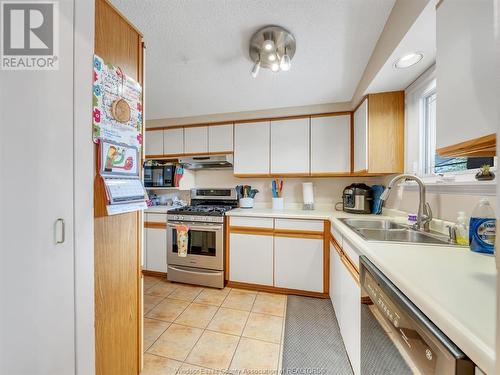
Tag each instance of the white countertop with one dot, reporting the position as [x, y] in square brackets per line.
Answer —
[159, 209]
[454, 287]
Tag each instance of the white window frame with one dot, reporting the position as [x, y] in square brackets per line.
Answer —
[452, 182]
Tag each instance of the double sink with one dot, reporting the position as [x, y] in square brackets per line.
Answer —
[386, 230]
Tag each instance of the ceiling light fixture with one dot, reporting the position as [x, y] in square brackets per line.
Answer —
[268, 45]
[285, 62]
[408, 60]
[276, 46]
[255, 69]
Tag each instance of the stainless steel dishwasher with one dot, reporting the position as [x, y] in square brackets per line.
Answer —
[397, 338]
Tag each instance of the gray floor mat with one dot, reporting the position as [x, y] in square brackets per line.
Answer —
[312, 342]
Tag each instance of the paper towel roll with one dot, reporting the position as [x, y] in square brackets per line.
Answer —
[308, 192]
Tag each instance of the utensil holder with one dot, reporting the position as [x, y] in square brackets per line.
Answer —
[278, 203]
[246, 202]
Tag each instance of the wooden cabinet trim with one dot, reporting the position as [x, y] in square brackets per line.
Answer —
[154, 273]
[299, 234]
[244, 121]
[252, 230]
[155, 225]
[275, 289]
[350, 267]
[348, 263]
[482, 146]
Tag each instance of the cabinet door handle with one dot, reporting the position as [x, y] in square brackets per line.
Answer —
[63, 231]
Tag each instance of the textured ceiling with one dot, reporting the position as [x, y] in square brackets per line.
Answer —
[197, 52]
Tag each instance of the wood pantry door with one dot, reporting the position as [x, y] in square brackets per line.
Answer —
[117, 239]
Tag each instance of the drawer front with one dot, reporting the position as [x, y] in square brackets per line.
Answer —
[300, 225]
[251, 222]
[349, 251]
[155, 218]
[337, 235]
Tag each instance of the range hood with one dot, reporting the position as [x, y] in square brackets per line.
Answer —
[207, 162]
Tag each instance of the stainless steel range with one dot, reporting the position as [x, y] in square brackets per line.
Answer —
[204, 262]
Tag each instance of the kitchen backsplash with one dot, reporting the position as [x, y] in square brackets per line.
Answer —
[326, 190]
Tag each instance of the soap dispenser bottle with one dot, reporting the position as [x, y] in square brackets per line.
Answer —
[461, 229]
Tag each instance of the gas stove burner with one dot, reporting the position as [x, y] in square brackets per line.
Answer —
[206, 210]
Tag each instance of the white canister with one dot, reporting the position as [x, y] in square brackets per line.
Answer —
[308, 195]
[246, 202]
[278, 203]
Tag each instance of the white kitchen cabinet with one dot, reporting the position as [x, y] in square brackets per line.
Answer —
[345, 294]
[156, 249]
[220, 138]
[196, 140]
[173, 141]
[252, 222]
[251, 259]
[153, 144]
[350, 317]
[465, 71]
[298, 263]
[299, 224]
[331, 144]
[251, 148]
[361, 137]
[290, 146]
[335, 281]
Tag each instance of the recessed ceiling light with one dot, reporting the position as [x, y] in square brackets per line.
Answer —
[409, 60]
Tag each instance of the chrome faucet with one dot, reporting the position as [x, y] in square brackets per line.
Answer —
[424, 215]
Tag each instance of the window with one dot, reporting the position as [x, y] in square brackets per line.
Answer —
[432, 163]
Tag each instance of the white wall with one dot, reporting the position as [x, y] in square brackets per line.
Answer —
[327, 191]
[444, 205]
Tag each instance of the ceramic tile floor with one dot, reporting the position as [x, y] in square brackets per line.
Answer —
[191, 330]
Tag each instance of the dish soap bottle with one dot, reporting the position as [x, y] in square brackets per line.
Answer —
[482, 228]
[461, 229]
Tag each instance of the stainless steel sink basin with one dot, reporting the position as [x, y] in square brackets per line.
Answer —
[386, 230]
[401, 235]
[372, 224]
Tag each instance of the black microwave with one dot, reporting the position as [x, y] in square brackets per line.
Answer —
[159, 176]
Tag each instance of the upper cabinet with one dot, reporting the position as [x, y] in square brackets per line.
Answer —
[330, 145]
[251, 148]
[173, 141]
[379, 134]
[220, 138]
[189, 140]
[290, 146]
[153, 144]
[361, 137]
[465, 76]
[196, 140]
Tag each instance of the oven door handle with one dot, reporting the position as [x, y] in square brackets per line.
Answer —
[194, 272]
[205, 228]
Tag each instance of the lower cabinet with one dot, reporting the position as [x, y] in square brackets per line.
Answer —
[251, 258]
[345, 294]
[298, 263]
[282, 253]
[335, 288]
[155, 243]
[350, 317]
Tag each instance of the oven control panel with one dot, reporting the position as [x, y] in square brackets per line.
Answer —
[196, 218]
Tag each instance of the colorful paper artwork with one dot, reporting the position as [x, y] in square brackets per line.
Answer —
[109, 85]
[117, 159]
